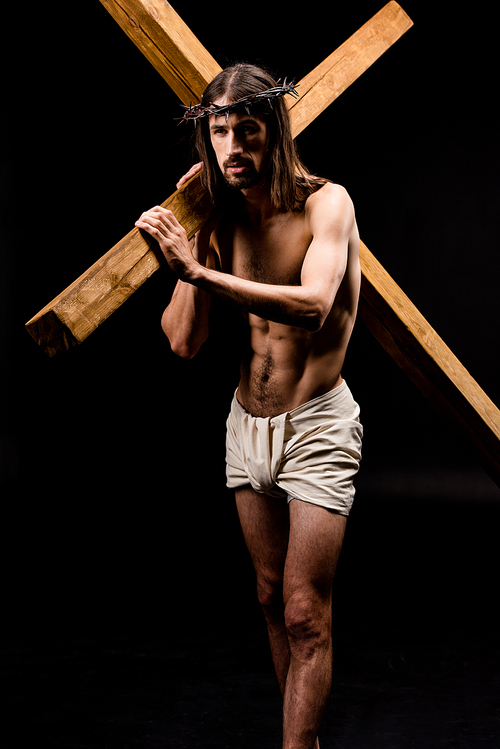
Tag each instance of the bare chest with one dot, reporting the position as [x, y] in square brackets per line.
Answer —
[272, 253]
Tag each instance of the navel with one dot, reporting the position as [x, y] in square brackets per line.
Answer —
[265, 389]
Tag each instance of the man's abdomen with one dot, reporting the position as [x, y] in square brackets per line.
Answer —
[284, 369]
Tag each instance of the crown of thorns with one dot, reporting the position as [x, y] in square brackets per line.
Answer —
[197, 111]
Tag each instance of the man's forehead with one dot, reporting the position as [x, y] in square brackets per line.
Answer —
[233, 119]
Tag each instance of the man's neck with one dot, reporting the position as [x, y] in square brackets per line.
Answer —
[257, 203]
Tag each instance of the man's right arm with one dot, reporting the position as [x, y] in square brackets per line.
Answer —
[185, 320]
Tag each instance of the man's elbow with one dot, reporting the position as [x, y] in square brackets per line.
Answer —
[185, 348]
[313, 324]
[183, 343]
[183, 351]
[315, 317]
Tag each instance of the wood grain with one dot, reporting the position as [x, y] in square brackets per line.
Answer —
[75, 313]
[168, 43]
[330, 78]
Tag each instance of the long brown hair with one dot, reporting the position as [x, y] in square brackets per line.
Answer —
[290, 183]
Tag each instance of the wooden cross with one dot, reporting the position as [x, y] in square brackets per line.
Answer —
[186, 65]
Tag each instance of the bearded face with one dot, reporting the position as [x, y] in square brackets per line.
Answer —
[240, 144]
[240, 173]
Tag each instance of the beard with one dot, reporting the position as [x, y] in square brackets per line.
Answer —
[249, 178]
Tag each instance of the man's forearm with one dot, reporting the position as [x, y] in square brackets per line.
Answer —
[289, 305]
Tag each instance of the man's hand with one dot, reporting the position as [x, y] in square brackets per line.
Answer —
[162, 225]
[194, 169]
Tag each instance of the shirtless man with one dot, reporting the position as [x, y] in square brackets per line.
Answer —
[284, 249]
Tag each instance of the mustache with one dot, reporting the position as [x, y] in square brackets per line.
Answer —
[237, 162]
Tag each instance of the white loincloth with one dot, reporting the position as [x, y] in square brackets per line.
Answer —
[311, 453]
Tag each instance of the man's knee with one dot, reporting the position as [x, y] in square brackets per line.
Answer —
[308, 621]
[270, 594]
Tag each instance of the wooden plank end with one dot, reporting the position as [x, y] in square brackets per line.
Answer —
[50, 333]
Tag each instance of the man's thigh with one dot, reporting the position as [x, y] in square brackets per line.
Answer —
[315, 541]
[265, 525]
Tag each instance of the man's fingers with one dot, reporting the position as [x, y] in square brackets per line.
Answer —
[159, 222]
[158, 215]
[194, 169]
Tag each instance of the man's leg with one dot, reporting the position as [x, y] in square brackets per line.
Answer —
[265, 526]
[295, 556]
[315, 540]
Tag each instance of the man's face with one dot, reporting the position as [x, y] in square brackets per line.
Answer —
[240, 146]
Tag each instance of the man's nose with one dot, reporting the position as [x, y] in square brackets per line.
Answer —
[234, 145]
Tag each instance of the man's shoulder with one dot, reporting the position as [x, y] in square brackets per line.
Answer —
[331, 193]
[331, 200]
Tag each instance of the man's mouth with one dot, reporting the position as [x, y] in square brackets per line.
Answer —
[240, 173]
[237, 167]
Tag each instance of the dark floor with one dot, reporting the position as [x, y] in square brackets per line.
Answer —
[206, 690]
[417, 654]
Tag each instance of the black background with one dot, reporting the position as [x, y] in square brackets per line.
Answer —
[114, 508]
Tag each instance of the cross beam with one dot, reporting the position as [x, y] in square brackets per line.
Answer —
[184, 63]
[416, 347]
[160, 33]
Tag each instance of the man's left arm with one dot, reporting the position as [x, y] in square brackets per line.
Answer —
[331, 217]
